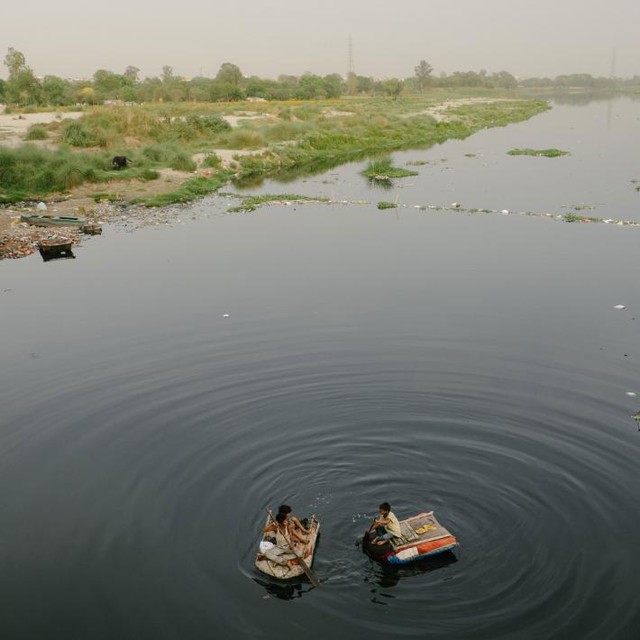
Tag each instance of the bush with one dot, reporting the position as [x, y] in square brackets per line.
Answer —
[212, 161]
[76, 134]
[148, 175]
[37, 132]
[244, 139]
[182, 162]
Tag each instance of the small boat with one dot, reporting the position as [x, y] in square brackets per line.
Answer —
[285, 565]
[52, 221]
[422, 537]
[52, 248]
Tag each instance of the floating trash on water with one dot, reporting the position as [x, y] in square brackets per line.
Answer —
[455, 205]
[505, 212]
[631, 394]
[225, 315]
[636, 417]
[619, 306]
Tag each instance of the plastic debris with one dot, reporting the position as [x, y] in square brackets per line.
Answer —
[41, 206]
[619, 306]
[225, 315]
[631, 394]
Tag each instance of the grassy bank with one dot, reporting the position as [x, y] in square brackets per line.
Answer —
[284, 138]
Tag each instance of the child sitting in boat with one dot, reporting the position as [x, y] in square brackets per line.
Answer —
[294, 524]
[285, 529]
[386, 527]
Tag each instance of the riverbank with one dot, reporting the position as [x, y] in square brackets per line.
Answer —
[209, 146]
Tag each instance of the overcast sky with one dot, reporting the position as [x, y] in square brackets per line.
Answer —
[74, 38]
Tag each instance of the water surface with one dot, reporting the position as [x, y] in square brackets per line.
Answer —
[164, 387]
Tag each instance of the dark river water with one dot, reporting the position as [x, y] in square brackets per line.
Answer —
[160, 390]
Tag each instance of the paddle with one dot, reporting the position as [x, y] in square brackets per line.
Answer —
[303, 564]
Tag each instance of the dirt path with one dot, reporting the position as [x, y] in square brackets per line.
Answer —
[13, 128]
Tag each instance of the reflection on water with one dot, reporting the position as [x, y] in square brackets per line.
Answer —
[285, 591]
[388, 576]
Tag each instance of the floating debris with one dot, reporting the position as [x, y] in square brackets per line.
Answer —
[631, 394]
[619, 306]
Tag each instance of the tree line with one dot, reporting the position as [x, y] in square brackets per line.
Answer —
[23, 88]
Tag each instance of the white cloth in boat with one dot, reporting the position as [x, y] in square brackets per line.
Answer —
[281, 553]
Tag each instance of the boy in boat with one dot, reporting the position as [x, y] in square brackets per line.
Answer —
[386, 527]
[297, 527]
[286, 549]
[285, 526]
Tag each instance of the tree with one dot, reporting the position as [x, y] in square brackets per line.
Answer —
[15, 62]
[333, 85]
[131, 73]
[22, 86]
[56, 91]
[423, 71]
[393, 88]
[230, 74]
[167, 73]
[108, 83]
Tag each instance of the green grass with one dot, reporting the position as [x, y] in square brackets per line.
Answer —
[547, 153]
[189, 191]
[383, 169]
[295, 138]
[387, 205]
[36, 132]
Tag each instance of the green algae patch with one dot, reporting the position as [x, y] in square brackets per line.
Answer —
[251, 203]
[546, 153]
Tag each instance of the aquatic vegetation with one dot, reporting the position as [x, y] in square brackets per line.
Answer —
[573, 217]
[387, 205]
[547, 153]
[251, 203]
[383, 169]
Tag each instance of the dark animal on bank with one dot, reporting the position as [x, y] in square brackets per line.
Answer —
[119, 162]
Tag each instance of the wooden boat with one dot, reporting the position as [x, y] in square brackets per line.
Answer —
[422, 537]
[283, 564]
[52, 248]
[52, 221]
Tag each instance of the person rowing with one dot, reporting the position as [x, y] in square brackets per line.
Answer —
[386, 526]
[296, 529]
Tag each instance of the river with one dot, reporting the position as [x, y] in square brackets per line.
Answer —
[161, 389]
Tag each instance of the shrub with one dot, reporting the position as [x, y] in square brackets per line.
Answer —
[212, 161]
[148, 174]
[36, 132]
[76, 134]
[244, 139]
[182, 162]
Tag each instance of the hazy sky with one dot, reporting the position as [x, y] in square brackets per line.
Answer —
[74, 38]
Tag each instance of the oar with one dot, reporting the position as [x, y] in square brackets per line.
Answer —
[303, 564]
